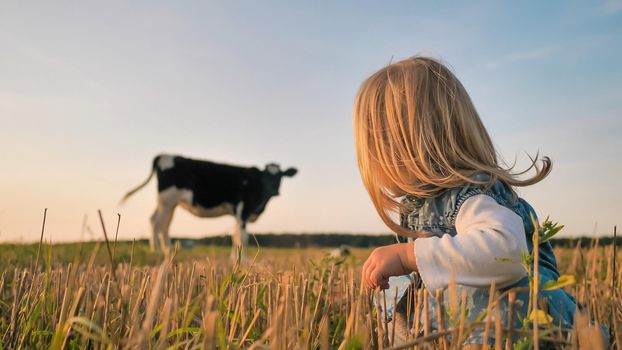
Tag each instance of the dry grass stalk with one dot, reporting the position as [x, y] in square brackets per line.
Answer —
[491, 294]
[201, 303]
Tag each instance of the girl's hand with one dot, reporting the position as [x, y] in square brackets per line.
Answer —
[384, 262]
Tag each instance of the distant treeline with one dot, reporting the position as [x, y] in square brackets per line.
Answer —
[357, 240]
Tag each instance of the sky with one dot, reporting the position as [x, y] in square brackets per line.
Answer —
[91, 92]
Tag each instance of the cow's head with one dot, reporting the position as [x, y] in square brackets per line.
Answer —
[271, 178]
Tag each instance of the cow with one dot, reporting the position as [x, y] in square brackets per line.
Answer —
[207, 189]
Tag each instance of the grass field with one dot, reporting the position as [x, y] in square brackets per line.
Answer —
[84, 296]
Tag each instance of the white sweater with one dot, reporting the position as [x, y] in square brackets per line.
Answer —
[485, 231]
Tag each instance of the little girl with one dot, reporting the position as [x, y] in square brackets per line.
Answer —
[427, 161]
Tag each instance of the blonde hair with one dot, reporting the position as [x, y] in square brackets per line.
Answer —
[417, 132]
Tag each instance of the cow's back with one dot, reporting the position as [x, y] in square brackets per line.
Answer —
[211, 183]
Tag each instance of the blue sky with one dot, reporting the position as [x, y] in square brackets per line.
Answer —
[89, 93]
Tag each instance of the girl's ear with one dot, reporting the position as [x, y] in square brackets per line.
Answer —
[290, 172]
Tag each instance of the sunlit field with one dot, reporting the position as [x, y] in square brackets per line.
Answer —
[84, 296]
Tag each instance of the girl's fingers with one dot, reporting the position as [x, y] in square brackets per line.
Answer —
[365, 267]
[365, 271]
[366, 276]
[376, 277]
[372, 284]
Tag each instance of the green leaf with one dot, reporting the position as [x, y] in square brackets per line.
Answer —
[562, 281]
[155, 330]
[548, 229]
[522, 344]
[178, 331]
[543, 317]
[552, 232]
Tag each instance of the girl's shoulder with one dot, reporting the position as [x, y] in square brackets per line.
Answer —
[438, 213]
[498, 190]
[501, 192]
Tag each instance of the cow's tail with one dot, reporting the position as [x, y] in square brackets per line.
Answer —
[130, 193]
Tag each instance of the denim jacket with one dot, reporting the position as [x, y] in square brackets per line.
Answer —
[437, 216]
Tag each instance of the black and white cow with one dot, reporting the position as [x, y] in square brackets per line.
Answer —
[208, 189]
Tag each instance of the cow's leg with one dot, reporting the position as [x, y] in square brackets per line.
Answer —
[161, 220]
[240, 236]
[167, 217]
[244, 233]
[160, 223]
[154, 241]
